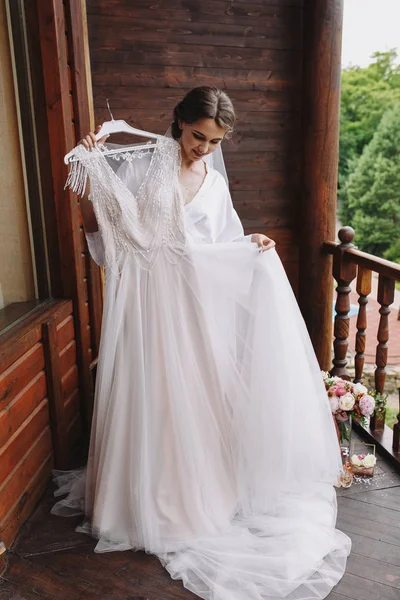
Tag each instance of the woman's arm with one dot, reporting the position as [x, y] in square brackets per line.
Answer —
[88, 216]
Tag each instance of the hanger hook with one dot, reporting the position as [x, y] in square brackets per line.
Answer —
[109, 110]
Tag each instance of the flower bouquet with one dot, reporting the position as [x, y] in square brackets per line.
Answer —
[348, 400]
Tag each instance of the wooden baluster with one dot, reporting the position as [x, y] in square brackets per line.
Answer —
[396, 431]
[364, 282]
[344, 272]
[386, 288]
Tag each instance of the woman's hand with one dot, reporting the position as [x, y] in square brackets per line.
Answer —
[89, 141]
[262, 241]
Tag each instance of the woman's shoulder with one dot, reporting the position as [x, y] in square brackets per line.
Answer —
[218, 178]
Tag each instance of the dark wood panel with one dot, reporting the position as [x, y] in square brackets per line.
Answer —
[206, 11]
[190, 77]
[156, 53]
[265, 180]
[102, 31]
[159, 98]
[246, 120]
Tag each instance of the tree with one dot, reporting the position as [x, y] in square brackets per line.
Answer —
[367, 93]
[372, 190]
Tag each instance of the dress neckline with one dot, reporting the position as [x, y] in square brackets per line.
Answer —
[201, 188]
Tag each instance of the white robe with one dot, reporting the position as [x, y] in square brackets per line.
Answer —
[212, 441]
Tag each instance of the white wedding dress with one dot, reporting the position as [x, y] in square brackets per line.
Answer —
[212, 442]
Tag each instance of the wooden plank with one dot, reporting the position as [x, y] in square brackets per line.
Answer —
[371, 546]
[160, 98]
[102, 28]
[13, 489]
[270, 180]
[246, 120]
[46, 583]
[71, 406]
[20, 373]
[374, 570]
[387, 498]
[361, 588]
[184, 77]
[16, 591]
[54, 391]
[157, 53]
[24, 438]
[371, 513]
[74, 430]
[214, 11]
[21, 338]
[139, 575]
[70, 382]
[67, 358]
[22, 510]
[13, 415]
[65, 333]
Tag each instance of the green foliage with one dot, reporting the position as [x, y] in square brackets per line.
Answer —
[367, 93]
[372, 190]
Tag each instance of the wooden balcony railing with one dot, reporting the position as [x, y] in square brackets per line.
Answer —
[349, 264]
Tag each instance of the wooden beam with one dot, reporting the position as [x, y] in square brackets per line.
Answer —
[322, 39]
[54, 47]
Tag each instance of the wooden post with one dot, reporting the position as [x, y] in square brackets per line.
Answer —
[385, 298]
[364, 284]
[344, 272]
[320, 148]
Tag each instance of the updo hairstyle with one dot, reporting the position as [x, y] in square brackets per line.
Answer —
[202, 103]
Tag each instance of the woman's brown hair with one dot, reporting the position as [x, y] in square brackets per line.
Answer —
[202, 103]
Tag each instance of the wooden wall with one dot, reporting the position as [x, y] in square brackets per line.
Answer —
[39, 409]
[146, 55]
[47, 358]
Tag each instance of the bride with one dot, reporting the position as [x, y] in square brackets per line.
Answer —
[212, 442]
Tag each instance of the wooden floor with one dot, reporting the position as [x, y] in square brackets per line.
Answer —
[50, 560]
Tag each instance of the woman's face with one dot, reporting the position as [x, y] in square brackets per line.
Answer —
[200, 138]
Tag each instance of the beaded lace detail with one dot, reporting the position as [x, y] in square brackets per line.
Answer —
[145, 223]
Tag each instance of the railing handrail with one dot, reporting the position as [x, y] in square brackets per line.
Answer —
[382, 266]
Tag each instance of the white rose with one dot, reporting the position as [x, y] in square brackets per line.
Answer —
[359, 388]
[356, 461]
[369, 461]
[346, 402]
[334, 403]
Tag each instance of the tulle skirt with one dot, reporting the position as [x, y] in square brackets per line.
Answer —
[212, 442]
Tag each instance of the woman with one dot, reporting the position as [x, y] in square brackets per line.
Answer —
[212, 443]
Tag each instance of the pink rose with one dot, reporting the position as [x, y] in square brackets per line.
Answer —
[367, 405]
[339, 389]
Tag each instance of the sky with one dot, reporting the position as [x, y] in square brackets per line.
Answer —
[369, 26]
